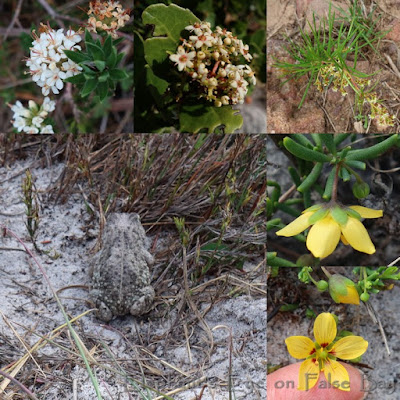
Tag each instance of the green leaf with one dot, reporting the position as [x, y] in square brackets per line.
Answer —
[89, 86]
[120, 56]
[100, 65]
[194, 118]
[102, 90]
[112, 58]
[88, 37]
[302, 152]
[116, 42]
[339, 215]
[169, 22]
[107, 48]
[373, 151]
[95, 51]
[153, 81]
[76, 79]
[104, 76]
[76, 56]
[118, 74]
[311, 178]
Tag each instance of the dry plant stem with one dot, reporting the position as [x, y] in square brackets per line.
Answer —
[19, 384]
[70, 327]
[326, 272]
[50, 10]
[15, 17]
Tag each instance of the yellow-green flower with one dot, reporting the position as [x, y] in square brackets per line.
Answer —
[343, 290]
[321, 355]
[331, 223]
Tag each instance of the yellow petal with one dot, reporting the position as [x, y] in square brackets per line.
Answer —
[300, 346]
[349, 347]
[344, 241]
[337, 375]
[308, 374]
[324, 329]
[323, 237]
[367, 212]
[297, 226]
[357, 236]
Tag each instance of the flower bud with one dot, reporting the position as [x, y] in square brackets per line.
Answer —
[217, 103]
[322, 285]
[201, 55]
[364, 297]
[360, 190]
[227, 41]
[343, 290]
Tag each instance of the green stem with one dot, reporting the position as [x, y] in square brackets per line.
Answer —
[335, 184]
[326, 272]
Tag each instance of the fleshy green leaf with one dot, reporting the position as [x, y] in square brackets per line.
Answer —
[95, 51]
[76, 56]
[194, 118]
[118, 74]
[117, 41]
[89, 86]
[104, 76]
[107, 48]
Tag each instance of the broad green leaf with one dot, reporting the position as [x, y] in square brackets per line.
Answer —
[102, 90]
[152, 80]
[194, 118]
[95, 51]
[76, 79]
[118, 74]
[100, 65]
[89, 86]
[169, 22]
[76, 56]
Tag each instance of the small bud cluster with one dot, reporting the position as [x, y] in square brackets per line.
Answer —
[330, 75]
[211, 58]
[106, 16]
[31, 119]
[48, 64]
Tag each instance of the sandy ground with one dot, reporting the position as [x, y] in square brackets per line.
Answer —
[383, 371]
[67, 234]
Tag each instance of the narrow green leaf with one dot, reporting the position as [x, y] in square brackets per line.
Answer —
[356, 164]
[318, 215]
[89, 86]
[311, 178]
[329, 142]
[76, 56]
[302, 152]
[88, 37]
[102, 90]
[120, 56]
[329, 185]
[373, 151]
[96, 52]
[112, 58]
[116, 42]
[107, 48]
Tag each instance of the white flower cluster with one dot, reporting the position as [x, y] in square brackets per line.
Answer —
[213, 60]
[31, 119]
[48, 63]
[108, 16]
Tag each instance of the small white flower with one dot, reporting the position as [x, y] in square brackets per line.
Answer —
[37, 121]
[31, 129]
[182, 59]
[19, 123]
[47, 129]
[203, 39]
[48, 105]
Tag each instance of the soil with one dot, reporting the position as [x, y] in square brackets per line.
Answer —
[381, 370]
[327, 112]
[164, 348]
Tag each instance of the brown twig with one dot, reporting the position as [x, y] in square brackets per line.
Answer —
[19, 384]
[15, 17]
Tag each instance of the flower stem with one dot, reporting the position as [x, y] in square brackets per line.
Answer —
[335, 184]
[326, 272]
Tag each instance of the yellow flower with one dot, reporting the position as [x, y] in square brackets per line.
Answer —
[343, 290]
[331, 224]
[321, 355]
